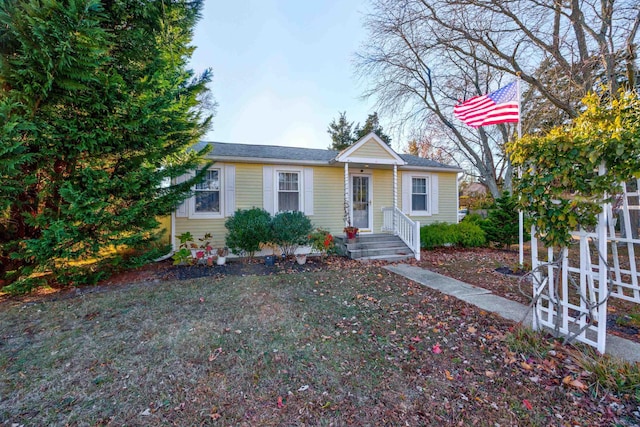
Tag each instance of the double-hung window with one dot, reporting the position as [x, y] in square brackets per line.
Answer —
[288, 198]
[207, 194]
[419, 194]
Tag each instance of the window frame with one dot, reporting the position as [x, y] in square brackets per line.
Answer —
[192, 200]
[276, 190]
[427, 195]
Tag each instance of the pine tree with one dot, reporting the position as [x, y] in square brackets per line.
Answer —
[501, 225]
[341, 133]
[97, 108]
[372, 124]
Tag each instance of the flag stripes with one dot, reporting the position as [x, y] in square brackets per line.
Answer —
[501, 106]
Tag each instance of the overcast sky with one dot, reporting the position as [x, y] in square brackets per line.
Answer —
[282, 68]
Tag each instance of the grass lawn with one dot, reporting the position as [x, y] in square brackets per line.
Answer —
[356, 346]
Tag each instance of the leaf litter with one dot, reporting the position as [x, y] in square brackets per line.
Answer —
[349, 344]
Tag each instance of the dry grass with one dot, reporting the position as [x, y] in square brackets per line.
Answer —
[341, 347]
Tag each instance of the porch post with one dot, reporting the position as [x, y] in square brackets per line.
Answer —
[395, 198]
[347, 216]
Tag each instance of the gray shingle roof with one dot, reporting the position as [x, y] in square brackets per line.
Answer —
[422, 162]
[255, 151]
[224, 149]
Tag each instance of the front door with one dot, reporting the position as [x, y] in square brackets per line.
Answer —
[361, 202]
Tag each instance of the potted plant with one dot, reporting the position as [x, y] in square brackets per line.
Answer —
[301, 259]
[222, 255]
[351, 233]
[270, 260]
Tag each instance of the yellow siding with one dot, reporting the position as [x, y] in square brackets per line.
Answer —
[447, 199]
[165, 228]
[382, 195]
[371, 150]
[248, 195]
[248, 186]
[328, 192]
[328, 199]
[200, 227]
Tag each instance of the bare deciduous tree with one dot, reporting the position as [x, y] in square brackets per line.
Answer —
[424, 56]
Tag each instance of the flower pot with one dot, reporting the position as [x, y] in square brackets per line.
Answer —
[209, 262]
[351, 235]
[301, 259]
[270, 260]
[221, 260]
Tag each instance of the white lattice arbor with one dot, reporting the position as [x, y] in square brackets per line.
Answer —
[572, 289]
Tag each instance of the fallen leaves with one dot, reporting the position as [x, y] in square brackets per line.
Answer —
[575, 383]
[436, 349]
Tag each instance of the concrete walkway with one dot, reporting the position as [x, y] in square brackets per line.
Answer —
[484, 299]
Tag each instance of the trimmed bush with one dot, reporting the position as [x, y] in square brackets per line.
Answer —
[290, 230]
[247, 229]
[465, 234]
[470, 235]
[437, 234]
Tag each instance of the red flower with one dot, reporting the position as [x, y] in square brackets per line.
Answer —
[200, 254]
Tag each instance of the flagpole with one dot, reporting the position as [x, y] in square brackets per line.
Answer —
[520, 213]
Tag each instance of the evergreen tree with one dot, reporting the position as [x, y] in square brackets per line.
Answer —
[341, 133]
[97, 109]
[372, 124]
[501, 225]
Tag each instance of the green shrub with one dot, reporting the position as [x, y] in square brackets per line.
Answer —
[290, 230]
[501, 225]
[437, 234]
[465, 234]
[470, 235]
[473, 218]
[246, 229]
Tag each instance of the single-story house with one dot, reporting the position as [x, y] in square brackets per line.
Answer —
[368, 185]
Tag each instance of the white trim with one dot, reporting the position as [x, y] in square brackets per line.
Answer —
[410, 168]
[192, 214]
[301, 186]
[308, 191]
[269, 161]
[182, 210]
[344, 156]
[370, 160]
[407, 193]
[369, 201]
[229, 190]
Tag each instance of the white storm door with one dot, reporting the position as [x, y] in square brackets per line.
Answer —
[361, 196]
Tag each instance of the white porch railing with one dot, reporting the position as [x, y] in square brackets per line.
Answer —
[404, 227]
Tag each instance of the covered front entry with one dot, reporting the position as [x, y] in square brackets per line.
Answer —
[361, 203]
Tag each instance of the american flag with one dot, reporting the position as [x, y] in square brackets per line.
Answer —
[497, 107]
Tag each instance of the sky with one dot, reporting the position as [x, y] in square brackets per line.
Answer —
[283, 69]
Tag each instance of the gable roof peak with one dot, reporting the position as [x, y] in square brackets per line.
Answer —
[345, 155]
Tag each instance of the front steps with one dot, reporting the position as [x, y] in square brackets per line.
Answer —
[386, 247]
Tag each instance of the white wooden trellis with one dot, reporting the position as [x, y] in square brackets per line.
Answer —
[572, 299]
